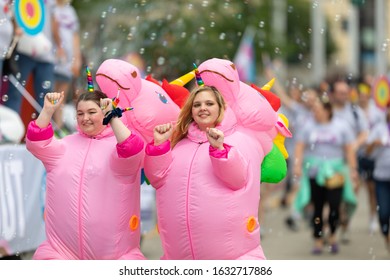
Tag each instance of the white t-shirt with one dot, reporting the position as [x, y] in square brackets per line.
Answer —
[354, 116]
[381, 155]
[374, 116]
[297, 116]
[325, 141]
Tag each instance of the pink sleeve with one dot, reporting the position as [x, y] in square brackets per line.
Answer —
[158, 160]
[159, 150]
[35, 133]
[233, 170]
[131, 146]
[217, 153]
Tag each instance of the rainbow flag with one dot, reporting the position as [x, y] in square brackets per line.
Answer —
[245, 57]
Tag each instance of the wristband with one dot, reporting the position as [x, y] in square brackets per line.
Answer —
[115, 113]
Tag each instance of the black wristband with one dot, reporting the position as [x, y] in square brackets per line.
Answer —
[116, 113]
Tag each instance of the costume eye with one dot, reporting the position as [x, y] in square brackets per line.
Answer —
[134, 74]
[162, 97]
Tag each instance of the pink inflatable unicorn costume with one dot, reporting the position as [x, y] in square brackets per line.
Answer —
[251, 108]
[152, 105]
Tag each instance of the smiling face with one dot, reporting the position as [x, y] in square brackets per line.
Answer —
[90, 117]
[205, 109]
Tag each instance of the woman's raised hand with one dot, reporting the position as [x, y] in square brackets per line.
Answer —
[215, 137]
[106, 105]
[53, 100]
[162, 133]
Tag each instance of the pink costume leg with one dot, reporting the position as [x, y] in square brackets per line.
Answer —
[255, 254]
[134, 254]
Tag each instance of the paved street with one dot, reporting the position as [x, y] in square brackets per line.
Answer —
[280, 243]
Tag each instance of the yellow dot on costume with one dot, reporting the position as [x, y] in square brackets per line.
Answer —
[134, 222]
[251, 224]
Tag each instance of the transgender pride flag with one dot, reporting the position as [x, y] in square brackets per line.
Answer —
[245, 57]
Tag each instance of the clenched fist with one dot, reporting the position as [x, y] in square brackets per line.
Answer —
[162, 133]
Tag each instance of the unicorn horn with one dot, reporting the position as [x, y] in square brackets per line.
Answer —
[183, 80]
[269, 85]
[89, 79]
[199, 80]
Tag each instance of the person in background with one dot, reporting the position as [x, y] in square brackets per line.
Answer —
[324, 154]
[68, 67]
[207, 180]
[379, 148]
[366, 163]
[92, 206]
[296, 106]
[345, 110]
[9, 32]
[40, 64]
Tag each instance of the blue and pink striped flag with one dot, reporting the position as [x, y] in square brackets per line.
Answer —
[245, 57]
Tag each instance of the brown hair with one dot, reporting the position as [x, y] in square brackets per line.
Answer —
[185, 116]
[94, 96]
[326, 104]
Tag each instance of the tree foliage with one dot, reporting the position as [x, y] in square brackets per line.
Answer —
[171, 35]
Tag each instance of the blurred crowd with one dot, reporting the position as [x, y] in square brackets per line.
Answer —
[340, 144]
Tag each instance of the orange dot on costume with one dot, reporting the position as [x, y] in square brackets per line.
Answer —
[134, 222]
[251, 224]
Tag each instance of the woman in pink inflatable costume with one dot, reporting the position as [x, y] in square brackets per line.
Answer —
[93, 191]
[207, 182]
